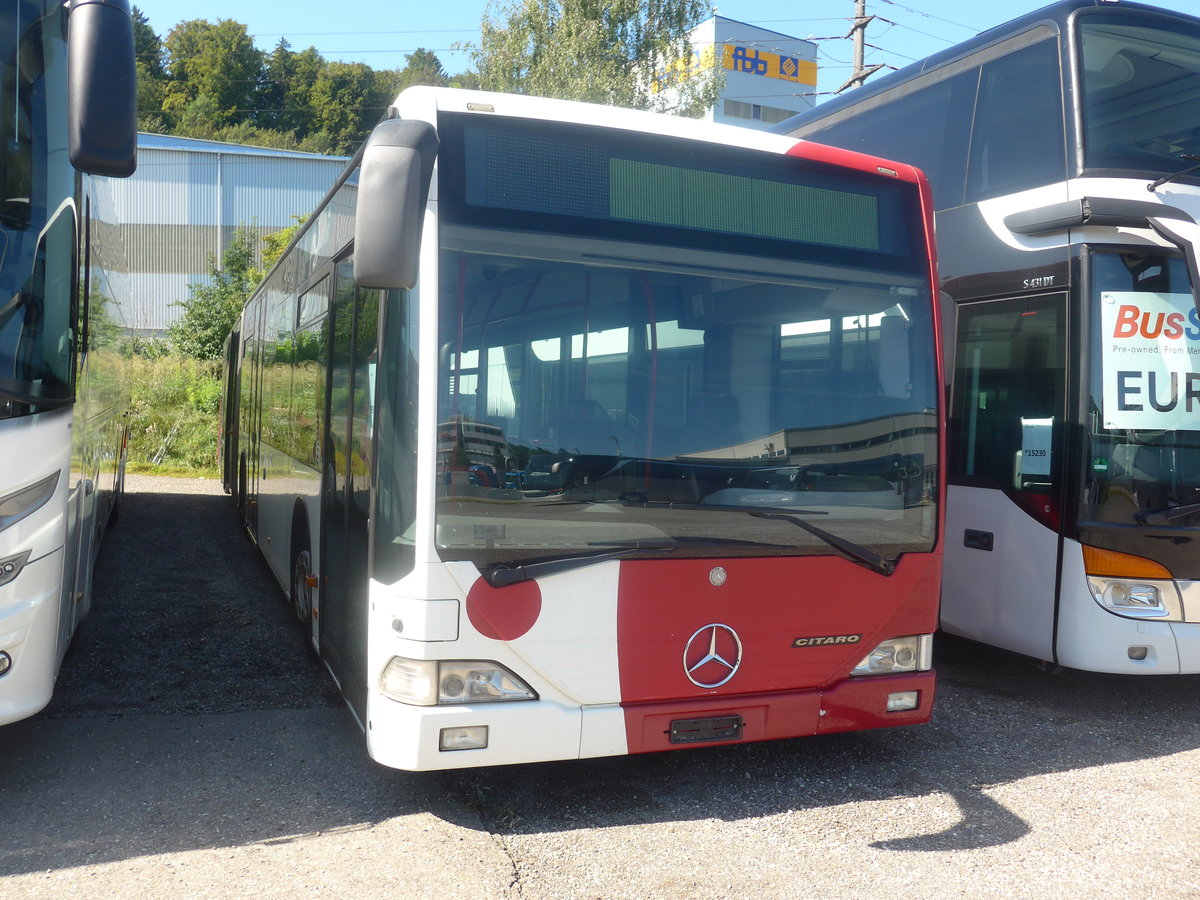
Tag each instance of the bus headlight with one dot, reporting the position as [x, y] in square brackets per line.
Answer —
[19, 504]
[913, 653]
[1137, 599]
[431, 682]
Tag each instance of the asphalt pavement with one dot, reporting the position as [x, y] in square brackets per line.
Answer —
[194, 750]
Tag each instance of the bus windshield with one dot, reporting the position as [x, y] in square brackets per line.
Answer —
[1141, 83]
[35, 300]
[599, 393]
[1145, 393]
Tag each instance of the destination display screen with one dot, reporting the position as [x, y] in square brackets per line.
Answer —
[621, 179]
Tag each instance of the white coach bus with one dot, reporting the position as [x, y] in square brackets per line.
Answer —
[1062, 150]
[68, 113]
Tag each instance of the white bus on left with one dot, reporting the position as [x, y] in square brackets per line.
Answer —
[68, 112]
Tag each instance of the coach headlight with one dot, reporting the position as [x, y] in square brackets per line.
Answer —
[447, 682]
[19, 504]
[913, 653]
[1137, 599]
[1131, 586]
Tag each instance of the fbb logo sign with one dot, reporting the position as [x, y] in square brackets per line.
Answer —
[1151, 360]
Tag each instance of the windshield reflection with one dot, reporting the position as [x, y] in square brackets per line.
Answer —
[590, 406]
[1139, 84]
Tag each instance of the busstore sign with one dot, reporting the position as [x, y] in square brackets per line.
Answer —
[1151, 361]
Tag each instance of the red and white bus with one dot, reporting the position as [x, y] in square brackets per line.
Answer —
[573, 431]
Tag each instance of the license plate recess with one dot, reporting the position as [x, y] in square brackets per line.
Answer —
[713, 728]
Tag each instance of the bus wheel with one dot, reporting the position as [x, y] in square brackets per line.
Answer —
[302, 601]
[241, 488]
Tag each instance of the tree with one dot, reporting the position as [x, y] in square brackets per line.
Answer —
[212, 310]
[288, 78]
[215, 72]
[147, 45]
[151, 76]
[276, 242]
[619, 52]
[346, 101]
[421, 67]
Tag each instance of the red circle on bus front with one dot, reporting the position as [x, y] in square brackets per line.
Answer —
[504, 614]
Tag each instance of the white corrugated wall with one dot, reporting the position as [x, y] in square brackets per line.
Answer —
[186, 199]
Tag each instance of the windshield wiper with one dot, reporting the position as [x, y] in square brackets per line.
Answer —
[1168, 515]
[504, 574]
[1159, 182]
[856, 552]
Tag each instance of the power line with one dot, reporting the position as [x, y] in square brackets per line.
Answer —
[926, 15]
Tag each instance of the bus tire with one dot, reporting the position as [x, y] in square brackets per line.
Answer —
[114, 510]
[240, 499]
[302, 604]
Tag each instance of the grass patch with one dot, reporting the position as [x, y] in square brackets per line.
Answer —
[173, 415]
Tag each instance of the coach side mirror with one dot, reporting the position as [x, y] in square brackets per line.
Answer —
[101, 88]
[393, 185]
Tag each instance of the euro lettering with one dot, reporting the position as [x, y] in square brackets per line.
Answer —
[1129, 391]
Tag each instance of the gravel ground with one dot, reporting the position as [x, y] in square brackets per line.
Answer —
[192, 749]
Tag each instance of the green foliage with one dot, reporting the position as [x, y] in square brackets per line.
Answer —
[276, 242]
[209, 81]
[619, 52]
[173, 413]
[213, 308]
[213, 72]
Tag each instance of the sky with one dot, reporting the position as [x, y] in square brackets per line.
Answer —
[381, 33]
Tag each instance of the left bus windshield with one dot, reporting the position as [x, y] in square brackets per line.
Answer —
[600, 394]
[37, 225]
[1139, 84]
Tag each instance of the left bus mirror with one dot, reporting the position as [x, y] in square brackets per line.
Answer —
[393, 185]
[101, 88]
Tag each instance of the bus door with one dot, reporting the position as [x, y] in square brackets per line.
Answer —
[250, 393]
[229, 410]
[1004, 498]
[346, 484]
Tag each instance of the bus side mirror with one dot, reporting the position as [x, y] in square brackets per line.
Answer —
[101, 88]
[393, 185]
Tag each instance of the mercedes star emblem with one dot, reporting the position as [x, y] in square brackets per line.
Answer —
[712, 656]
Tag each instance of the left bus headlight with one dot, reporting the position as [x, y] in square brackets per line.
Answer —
[16, 506]
[913, 653]
[447, 682]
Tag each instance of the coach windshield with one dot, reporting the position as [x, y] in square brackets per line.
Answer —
[37, 224]
[1141, 78]
[1143, 460]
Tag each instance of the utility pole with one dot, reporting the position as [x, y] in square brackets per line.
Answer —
[858, 31]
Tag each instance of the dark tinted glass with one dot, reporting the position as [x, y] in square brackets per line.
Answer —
[1017, 142]
[1009, 393]
[927, 129]
[1140, 80]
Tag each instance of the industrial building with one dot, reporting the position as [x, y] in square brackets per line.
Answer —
[768, 76]
[186, 199]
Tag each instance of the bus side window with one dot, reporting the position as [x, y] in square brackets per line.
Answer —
[1017, 141]
[928, 129]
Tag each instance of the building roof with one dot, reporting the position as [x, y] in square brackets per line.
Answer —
[148, 141]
